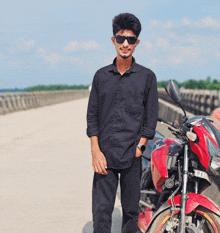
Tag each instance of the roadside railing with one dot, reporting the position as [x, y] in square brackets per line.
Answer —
[17, 101]
[197, 102]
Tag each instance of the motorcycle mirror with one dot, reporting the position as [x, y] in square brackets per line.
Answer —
[173, 91]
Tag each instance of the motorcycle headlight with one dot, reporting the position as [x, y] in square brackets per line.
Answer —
[214, 162]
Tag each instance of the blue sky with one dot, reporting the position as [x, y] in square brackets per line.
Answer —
[65, 42]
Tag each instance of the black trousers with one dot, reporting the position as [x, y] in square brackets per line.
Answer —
[104, 193]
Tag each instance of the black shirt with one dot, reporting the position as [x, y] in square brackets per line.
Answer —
[121, 110]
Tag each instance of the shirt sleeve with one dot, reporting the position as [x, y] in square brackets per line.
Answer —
[93, 110]
[151, 110]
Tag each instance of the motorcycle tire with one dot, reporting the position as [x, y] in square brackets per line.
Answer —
[200, 218]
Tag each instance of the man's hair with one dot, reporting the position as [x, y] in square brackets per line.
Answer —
[127, 21]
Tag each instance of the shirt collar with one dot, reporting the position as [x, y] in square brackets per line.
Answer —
[132, 69]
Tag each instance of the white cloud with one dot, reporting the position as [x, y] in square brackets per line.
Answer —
[21, 45]
[169, 24]
[175, 60]
[185, 55]
[152, 62]
[83, 45]
[71, 46]
[183, 43]
[186, 22]
[192, 40]
[177, 55]
[52, 58]
[162, 43]
[76, 60]
[25, 45]
[161, 52]
[90, 45]
[106, 60]
[210, 22]
[153, 23]
[204, 23]
[147, 45]
[55, 58]
[217, 55]
[41, 50]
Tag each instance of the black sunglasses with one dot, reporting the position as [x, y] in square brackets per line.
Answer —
[121, 39]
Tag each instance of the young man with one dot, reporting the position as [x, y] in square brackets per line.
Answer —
[121, 117]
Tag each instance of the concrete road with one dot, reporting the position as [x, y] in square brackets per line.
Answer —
[46, 172]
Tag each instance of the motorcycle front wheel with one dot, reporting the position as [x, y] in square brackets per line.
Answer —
[201, 220]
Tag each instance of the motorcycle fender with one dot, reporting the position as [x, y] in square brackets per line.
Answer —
[194, 200]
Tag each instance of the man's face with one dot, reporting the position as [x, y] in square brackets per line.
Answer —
[125, 49]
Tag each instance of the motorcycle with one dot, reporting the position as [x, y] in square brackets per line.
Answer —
[176, 174]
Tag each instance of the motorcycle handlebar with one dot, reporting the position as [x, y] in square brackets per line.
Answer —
[160, 119]
[163, 121]
[171, 127]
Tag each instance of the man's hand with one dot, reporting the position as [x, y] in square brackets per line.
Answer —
[99, 162]
[98, 159]
[138, 152]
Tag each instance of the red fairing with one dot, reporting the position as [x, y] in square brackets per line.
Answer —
[195, 200]
[144, 219]
[159, 163]
[201, 149]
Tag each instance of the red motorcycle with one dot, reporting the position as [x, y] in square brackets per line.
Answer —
[177, 173]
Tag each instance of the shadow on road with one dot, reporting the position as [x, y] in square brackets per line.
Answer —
[116, 223]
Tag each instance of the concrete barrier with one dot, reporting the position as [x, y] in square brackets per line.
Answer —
[198, 102]
[170, 112]
[17, 101]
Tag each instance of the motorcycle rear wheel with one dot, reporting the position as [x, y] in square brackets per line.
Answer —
[201, 220]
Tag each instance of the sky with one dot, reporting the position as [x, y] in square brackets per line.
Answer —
[46, 42]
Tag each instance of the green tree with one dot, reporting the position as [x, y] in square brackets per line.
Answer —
[56, 87]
